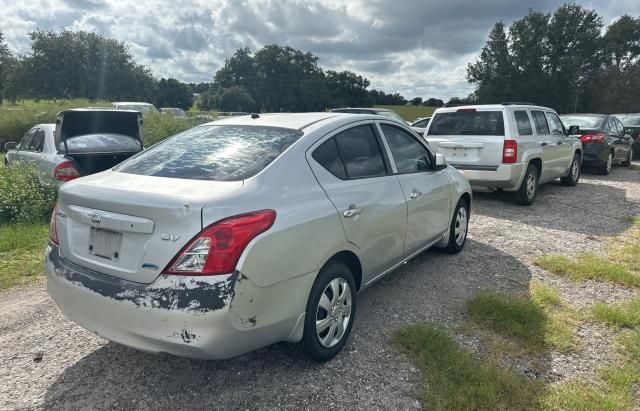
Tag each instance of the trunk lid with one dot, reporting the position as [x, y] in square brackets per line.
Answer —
[468, 138]
[131, 226]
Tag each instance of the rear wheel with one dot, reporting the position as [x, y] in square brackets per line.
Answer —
[605, 168]
[574, 172]
[529, 187]
[331, 309]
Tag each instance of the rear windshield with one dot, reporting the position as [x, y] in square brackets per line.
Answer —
[475, 123]
[581, 121]
[212, 152]
[630, 121]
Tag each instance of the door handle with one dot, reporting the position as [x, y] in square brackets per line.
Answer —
[415, 194]
[544, 143]
[352, 211]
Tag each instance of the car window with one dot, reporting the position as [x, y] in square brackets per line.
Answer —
[361, 153]
[421, 123]
[582, 121]
[523, 122]
[329, 157]
[102, 142]
[38, 141]
[25, 143]
[409, 155]
[213, 152]
[555, 124]
[613, 125]
[476, 123]
[629, 120]
[541, 122]
[619, 124]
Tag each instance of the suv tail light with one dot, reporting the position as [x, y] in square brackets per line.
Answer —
[53, 227]
[65, 171]
[510, 151]
[217, 249]
[596, 138]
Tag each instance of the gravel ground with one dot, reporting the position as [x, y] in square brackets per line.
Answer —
[79, 370]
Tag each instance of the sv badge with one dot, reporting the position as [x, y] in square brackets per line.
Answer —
[169, 237]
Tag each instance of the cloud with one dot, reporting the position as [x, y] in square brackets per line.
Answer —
[414, 47]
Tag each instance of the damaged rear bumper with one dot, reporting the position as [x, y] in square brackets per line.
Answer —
[190, 316]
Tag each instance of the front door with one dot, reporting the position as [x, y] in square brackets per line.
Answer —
[564, 149]
[353, 170]
[426, 189]
[548, 142]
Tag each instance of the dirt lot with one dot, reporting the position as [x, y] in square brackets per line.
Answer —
[80, 370]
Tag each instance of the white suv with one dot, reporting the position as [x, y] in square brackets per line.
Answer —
[510, 147]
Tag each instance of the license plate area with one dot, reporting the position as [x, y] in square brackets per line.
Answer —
[105, 243]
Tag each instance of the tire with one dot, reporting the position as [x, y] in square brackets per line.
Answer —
[574, 172]
[605, 168]
[321, 346]
[627, 162]
[458, 233]
[526, 194]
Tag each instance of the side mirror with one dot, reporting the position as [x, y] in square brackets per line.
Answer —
[441, 162]
[11, 145]
[573, 130]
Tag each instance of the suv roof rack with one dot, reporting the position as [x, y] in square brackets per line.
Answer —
[517, 103]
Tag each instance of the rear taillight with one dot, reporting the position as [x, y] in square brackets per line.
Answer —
[53, 227]
[595, 138]
[510, 151]
[65, 171]
[217, 249]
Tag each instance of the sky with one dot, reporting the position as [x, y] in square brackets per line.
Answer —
[413, 47]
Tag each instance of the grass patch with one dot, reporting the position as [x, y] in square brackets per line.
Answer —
[22, 198]
[21, 253]
[410, 113]
[626, 314]
[587, 266]
[453, 379]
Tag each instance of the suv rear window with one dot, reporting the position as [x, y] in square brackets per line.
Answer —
[475, 123]
[216, 153]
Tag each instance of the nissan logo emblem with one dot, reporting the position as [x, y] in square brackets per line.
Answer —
[96, 220]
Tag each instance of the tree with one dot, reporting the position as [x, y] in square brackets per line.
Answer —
[172, 93]
[433, 102]
[236, 98]
[416, 101]
[348, 89]
[6, 62]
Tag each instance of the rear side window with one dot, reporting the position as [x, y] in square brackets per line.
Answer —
[25, 143]
[216, 153]
[523, 122]
[361, 152]
[328, 157]
[541, 122]
[476, 123]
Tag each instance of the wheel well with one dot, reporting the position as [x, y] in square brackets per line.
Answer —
[579, 152]
[467, 198]
[353, 262]
[538, 163]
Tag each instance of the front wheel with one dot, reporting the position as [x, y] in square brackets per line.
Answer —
[459, 227]
[574, 173]
[331, 309]
[529, 187]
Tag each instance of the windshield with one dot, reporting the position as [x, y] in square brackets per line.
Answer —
[391, 114]
[212, 152]
[581, 121]
[629, 120]
[476, 123]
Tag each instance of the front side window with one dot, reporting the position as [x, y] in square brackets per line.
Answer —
[212, 152]
[542, 127]
[409, 155]
[467, 122]
[555, 124]
[361, 152]
[523, 123]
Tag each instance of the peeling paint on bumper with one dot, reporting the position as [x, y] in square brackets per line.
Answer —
[182, 315]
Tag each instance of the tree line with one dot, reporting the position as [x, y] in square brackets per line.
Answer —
[564, 60]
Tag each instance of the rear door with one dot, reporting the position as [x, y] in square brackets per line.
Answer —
[621, 143]
[353, 170]
[425, 189]
[468, 137]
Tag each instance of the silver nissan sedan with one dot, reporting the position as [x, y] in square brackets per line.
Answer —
[249, 231]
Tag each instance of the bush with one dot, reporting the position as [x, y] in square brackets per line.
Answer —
[157, 127]
[22, 197]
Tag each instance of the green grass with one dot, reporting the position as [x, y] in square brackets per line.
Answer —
[410, 113]
[454, 380]
[540, 321]
[626, 314]
[21, 253]
[589, 266]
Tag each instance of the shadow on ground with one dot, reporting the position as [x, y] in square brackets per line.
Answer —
[368, 373]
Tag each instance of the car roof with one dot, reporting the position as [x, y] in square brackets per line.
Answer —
[98, 109]
[374, 109]
[137, 103]
[490, 107]
[296, 121]
[585, 115]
